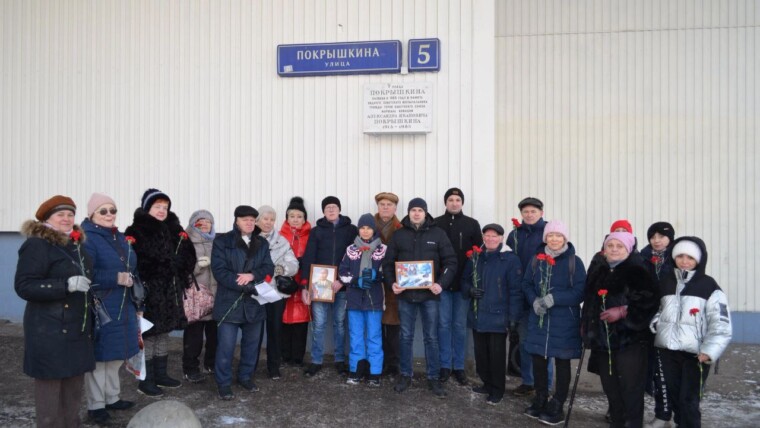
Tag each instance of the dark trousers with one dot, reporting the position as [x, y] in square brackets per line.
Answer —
[192, 345]
[659, 389]
[491, 360]
[57, 401]
[541, 376]
[390, 345]
[274, 334]
[293, 341]
[625, 387]
[682, 378]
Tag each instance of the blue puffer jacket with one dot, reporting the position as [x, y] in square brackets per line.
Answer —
[559, 335]
[229, 257]
[327, 244]
[529, 239]
[499, 274]
[357, 298]
[117, 340]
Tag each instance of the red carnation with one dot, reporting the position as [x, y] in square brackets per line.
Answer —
[469, 254]
[693, 312]
[602, 292]
[541, 256]
[75, 235]
[515, 223]
[477, 249]
[655, 260]
[130, 239]
[268, 278]
[304, 282]
[183, 235]
[364, 248]
[550, 260]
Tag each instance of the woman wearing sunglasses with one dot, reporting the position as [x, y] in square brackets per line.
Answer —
[114, 264]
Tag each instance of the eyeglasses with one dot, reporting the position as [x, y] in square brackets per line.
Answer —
[104, 211]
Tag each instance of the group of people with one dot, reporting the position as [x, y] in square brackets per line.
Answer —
[652, 320]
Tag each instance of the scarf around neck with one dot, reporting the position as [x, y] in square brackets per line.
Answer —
[386, 227]
[557, 253]
[366, 255]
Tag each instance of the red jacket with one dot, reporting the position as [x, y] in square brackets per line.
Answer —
[295, 310]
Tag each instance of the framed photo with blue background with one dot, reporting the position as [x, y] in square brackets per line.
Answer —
[415, 274]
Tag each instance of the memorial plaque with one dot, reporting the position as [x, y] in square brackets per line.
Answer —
[398, 108]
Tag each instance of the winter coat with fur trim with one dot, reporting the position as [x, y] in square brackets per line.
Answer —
[629, 283]
[55, 344]
[165, 274]
[117, 340]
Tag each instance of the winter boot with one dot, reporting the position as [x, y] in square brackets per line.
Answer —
[148, 386]
[437, 388]
[537, 406]
[362, 369]
[162, 378]
[552, 414]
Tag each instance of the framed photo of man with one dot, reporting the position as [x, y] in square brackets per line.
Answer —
[322, 278]
[415, 275]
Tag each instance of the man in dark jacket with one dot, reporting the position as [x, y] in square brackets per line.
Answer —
[327, 245]
[464, 233]
[524, 240]
[420, 240]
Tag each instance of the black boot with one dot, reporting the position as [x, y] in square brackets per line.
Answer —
[537, 406]
[148, 386]
[162, 378]
[552, 414]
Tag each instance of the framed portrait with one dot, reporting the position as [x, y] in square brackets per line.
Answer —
[322, 278]
[412, 275]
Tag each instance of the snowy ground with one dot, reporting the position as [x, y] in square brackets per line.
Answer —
[732, 398]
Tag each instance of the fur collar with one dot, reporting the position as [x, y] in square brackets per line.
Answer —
[37, 229]
[147, 222]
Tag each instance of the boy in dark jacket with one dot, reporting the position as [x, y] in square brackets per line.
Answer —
[361, 270]
[464, 233]
[420, 240]
[327, 244]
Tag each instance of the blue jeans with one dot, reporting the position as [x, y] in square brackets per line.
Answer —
[407, 312]
[452, 329]
[319, 311]
[366, 339]
[526, 360]
[227, 334]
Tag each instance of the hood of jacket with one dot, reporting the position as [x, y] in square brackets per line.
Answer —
[700, 270]
[38, 229]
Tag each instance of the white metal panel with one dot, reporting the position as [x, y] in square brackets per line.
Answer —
[643, 110]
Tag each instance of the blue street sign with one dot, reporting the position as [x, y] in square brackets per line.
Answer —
[319, 59]
[424, 55]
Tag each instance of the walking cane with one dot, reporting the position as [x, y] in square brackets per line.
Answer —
[575, 387]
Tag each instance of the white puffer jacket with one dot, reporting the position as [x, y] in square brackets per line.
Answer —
[282, 255]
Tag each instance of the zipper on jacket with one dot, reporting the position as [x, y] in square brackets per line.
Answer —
[499, 283]
[460, 240]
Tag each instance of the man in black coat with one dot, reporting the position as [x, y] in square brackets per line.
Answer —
[464, 233]
[420, 240]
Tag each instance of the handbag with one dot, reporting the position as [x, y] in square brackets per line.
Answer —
[137, 291]
[199, 302]
[286, 284]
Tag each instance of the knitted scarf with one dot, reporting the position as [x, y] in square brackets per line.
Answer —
[387, 228]
[366, 255]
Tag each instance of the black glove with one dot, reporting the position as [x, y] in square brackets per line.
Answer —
[250, 289]
[477, 293]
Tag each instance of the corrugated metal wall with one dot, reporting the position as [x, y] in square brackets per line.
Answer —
[639, 109]
[118, 96]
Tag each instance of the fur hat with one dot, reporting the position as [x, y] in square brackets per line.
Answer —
[388, 196]
[369, 221]
[663, 228]
[96, 201]
[626, 238]
[690, 248]
[417, 203]
[531, 201]
[53, 205]
[246, 211]
[296, 203]
[625, 224]
[556, 226]
[151, 196]
[331, 200]
[453, 191]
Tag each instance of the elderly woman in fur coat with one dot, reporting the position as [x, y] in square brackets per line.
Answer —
[165, 263]
[53, 276]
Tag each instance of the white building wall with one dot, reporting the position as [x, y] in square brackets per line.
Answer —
[117, 96]
[640, 109]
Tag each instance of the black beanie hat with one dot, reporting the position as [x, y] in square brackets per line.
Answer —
[152, 195]
[453, 191]
[417, 203]
[245, 211]
[296, 203]
[331, 200]
[663, 228]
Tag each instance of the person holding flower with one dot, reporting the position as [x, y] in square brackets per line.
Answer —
[620, 299]
[114, 265]
[239, 260]
[492, 278]
[165, 262]
[692, 327]
[553, 285]
[361, 270]
[53, 276]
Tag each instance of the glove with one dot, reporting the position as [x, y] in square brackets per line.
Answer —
[204, 261]
[614, 314]
[124, 279]
[548, 301]
[538, 306]
[79, 283]
[279, 270]
[477, 293]
[368, 279]
[250, 289]
[653, 327]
